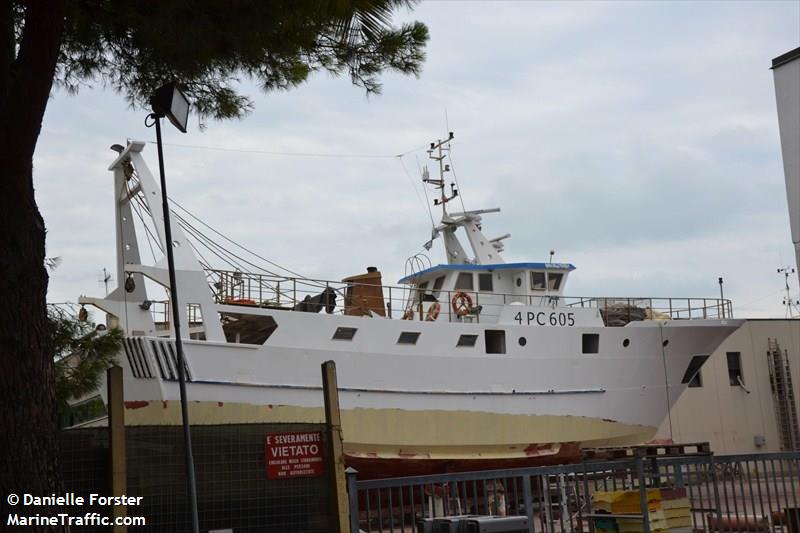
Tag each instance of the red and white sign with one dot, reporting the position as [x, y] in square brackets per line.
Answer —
[296, 454]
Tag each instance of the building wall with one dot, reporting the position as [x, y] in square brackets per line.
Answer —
[725, 415]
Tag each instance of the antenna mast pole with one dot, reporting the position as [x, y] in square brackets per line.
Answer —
[440, 147]
[787, 300]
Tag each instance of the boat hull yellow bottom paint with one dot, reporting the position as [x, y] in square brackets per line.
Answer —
[380, 442]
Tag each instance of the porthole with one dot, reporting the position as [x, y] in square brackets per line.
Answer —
[523, 341]
[519, 282]
[665, 343]
[626, 343]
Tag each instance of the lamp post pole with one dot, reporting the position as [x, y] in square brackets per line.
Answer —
[176, 326]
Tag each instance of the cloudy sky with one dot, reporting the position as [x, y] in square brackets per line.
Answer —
[639, 140]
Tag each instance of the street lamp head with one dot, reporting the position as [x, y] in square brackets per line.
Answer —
[168, 101]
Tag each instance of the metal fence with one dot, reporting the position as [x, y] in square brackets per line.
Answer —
[233, 488]
[721, 493]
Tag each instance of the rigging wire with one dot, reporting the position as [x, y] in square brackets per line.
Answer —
[294, 154]
[416, 191]
[455, 178]
[138, 205]
[276, 265]
[427, 200]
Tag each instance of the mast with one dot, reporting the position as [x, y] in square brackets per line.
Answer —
[487, 251]
[437, 153]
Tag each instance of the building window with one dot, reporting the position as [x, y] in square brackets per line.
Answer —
[408, 337]
[467, 340]
[538, 282]
[485, 282]
[464, 281]
[591, 343]
[692, 374]
[495, 340]
[735, 368]
[554, 281]
[345, 334]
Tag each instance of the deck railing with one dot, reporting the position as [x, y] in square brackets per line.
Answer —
[287, 293]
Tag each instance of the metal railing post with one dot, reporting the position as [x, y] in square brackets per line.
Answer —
[528, 499]
[714, 481]
[643, 495]
[352, 496]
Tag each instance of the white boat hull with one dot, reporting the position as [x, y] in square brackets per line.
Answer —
[432, 399]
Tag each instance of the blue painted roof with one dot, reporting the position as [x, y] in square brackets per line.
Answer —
[490, 268]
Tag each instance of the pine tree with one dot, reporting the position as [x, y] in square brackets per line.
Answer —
[134, 47]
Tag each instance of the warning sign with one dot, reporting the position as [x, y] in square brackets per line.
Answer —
[294, 455]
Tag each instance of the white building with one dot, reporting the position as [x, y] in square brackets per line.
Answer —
[739, 401]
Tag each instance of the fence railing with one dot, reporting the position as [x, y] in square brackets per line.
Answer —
[710, 493]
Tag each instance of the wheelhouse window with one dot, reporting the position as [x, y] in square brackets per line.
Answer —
[421, 290]
[437, 285]
[538, 281]
[345, 334]
[464, 282]
[485, 282]
[554, 280]
[735, 368]
[467, 340]
[408, 337]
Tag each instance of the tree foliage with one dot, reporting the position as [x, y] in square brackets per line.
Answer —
[209, 46]
[81, 354]
[132, 47]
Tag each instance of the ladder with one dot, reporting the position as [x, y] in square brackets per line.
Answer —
[780, 378]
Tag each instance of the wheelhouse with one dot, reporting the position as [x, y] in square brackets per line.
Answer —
[491, 285]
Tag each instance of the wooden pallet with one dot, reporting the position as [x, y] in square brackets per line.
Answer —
[611, 453]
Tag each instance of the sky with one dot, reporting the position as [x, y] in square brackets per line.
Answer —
[638, 140]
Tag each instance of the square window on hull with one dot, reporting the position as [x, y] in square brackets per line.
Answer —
[345, 334]
[495, 340]
[408, 337]
[591, 343]
[467, 340]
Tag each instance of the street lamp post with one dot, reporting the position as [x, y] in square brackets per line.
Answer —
[168, 101]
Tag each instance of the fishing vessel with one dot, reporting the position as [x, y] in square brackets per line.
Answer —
[473, 362]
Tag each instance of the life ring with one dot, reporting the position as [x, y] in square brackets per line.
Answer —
[462, 303]
[433, 312]
[408, 314]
